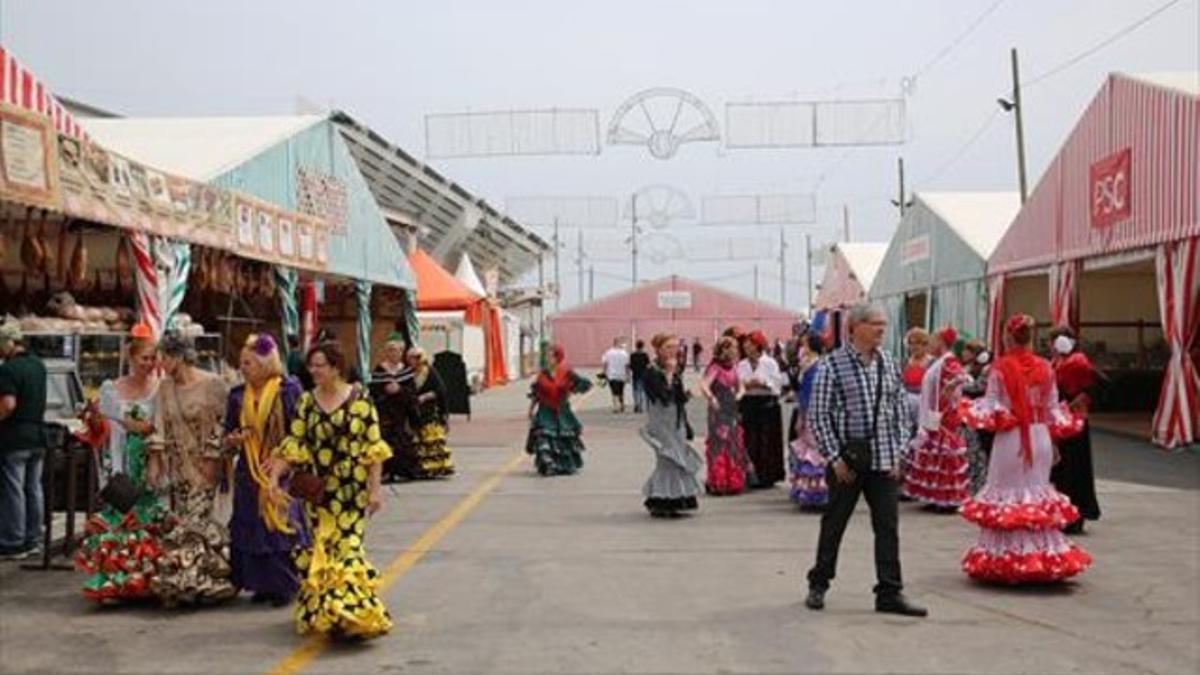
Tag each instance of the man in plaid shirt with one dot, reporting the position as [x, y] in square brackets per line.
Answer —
[842, 408]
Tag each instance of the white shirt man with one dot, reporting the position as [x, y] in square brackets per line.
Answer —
[616, 365]
[765, 373]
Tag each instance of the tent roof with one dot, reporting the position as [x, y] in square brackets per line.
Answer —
[979, 218]
[643, 299]
[1186, 81]
[466, 274]
[437, 289]
[201, 148]
[864, 259]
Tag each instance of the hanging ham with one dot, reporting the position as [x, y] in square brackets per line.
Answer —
[77, 272]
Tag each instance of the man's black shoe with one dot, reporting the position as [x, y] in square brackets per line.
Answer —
[898, 604]
[815, 600]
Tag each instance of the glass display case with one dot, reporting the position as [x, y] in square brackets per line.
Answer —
[101, 356]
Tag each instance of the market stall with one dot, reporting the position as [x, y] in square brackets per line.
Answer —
[933, 271]
[1109, 244]
[316, 202]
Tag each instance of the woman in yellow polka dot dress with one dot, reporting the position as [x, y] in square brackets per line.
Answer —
[336, 436]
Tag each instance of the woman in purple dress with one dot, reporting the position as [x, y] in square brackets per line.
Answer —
[266, 524]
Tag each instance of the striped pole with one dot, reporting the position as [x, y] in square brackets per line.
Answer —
[149, 300]
[174, 266]
[286, 281]
[362, 292]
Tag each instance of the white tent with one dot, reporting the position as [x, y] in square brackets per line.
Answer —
[466, 274]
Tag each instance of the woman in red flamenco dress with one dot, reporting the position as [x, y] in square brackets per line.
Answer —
[1019, 512]
[937, 472]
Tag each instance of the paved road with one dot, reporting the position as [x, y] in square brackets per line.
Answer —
[500, 571]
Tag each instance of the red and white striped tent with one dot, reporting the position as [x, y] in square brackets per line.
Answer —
[1125, 184]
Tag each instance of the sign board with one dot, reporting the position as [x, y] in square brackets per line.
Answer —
[102, 186]
[1110, 189]
[28, 172]
[914, 250]
[674, 299]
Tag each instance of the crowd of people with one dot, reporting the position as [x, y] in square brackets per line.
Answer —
[208, 491]
[267, 488]
[1002, 442]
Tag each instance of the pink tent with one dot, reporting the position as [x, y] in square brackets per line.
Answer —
[687, 308]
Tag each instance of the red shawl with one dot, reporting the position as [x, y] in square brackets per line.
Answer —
[1022, 370]
[552, 388]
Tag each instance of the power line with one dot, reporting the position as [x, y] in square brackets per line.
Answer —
[962, 149]
[1100, 45]
[945, 51]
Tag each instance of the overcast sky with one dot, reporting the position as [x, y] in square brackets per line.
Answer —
[391, 63]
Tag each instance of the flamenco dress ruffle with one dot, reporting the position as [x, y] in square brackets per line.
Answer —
[120, 551]
[1021, 539]
[938, 472]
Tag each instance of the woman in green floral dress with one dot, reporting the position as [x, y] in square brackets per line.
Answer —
[336, 436]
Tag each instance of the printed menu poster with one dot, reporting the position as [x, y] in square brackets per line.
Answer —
[245, 225]
[287, 238]
[266, 231]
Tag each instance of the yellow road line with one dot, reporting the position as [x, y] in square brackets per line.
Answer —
[315, 645]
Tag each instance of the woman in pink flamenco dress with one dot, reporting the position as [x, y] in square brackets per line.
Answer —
[1019, 512]
[938, 469]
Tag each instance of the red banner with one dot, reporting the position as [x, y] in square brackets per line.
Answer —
[1111, 188]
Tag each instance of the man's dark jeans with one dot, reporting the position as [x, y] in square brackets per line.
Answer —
[20, 500]
[880, 489]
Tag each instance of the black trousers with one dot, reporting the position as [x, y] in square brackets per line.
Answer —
[880, 490]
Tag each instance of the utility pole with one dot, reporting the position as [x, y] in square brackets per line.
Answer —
[633, 233]
[903, 206]
[557, 278]
[1018, 110]
[591, 283]
[808, 265]
[845, 222]
[541, 306]
[579, 263]
[756, 282]
[782, 269]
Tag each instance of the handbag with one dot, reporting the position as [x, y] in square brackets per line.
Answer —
[857, 452]
[308, 486]
[120, 492]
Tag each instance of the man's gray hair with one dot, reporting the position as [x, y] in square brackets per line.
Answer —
[861, 312]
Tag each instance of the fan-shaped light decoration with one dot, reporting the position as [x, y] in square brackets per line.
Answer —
[662, 119]
[661, 205]
[661, 248]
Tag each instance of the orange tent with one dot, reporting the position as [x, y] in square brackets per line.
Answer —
[438, 290]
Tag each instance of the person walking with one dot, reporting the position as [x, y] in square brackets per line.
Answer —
[336, 449]
[639, 362]
[672, 488]
[22, 445]
[392, 390]
[860, 421]
[616, 366]
[185, 457]
[697, 351]
[762, 419]
[725, 448]
[555, 434]
[807, 466]
[430, 417]
[266, 524]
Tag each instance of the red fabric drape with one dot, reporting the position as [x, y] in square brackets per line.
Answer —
[996, 313]
[1064, 294]
[1178, 414]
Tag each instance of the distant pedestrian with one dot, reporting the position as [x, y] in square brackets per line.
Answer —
[22, 445]
[725, 448]
[697, 351]
[682, 356]
[861, 425]
[555, 433]
[639, 362]
[616, 367]
[806, 464]
[295, 362]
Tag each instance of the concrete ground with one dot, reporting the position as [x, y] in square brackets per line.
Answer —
[500, 571]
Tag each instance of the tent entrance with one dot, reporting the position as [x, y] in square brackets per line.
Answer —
[1121, 332]
[916, 310]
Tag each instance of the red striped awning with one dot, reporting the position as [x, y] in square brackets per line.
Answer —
[19, 87]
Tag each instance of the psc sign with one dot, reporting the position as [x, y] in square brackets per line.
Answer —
[1111, 189]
